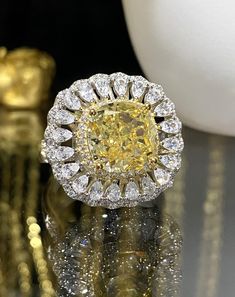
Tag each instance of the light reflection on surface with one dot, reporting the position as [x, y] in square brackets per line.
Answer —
[21, 250]
[211, 237]
[125, 252]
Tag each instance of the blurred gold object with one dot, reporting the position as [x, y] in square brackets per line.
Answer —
[25, 77]
[21, 250]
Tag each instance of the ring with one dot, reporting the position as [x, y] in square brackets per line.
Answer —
[113, 140]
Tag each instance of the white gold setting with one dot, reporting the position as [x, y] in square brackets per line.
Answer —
[88, 163]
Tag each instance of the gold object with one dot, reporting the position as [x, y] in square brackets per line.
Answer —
[21, 250]
[25, 77]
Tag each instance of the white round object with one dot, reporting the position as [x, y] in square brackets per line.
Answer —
[188, 46]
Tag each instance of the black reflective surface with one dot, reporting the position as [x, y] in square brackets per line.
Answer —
[51, 245]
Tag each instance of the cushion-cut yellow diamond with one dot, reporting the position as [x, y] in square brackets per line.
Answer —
[122, 136]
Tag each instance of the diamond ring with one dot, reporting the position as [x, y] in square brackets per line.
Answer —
[113, 140]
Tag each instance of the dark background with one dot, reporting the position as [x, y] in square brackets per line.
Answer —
[84, 37]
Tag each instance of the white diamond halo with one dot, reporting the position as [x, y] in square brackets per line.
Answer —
[113, 140]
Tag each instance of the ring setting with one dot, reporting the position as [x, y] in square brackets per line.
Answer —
[113, 140]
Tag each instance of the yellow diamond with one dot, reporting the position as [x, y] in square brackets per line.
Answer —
[122, 136]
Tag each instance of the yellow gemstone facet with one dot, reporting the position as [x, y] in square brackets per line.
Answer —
[122, 136]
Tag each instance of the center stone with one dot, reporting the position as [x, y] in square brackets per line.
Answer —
[122, 136]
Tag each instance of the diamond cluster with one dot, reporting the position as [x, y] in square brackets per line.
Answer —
[113, 140]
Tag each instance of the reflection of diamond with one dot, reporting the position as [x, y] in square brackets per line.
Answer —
[122, 135]
[113, 192]
[162, 176]
[165, 108]
[96, 191]
[151, 246]
[80, 184]
[131, 191]
[170, 161]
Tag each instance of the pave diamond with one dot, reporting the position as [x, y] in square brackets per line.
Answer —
[174, 144]
[113, 192]
[96, 191]
[80, 183]
[171, 126]
[132, 191]
[101, 82]
[66, 171]
[148, 185]
[120, 83]
[170, 161]
[69, 190]
[165, 108]
[84, 90]
[162, 176]
[138, 86]
[63, 117]
[153, 95]
[58, 134]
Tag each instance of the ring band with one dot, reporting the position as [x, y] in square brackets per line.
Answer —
[113, 140]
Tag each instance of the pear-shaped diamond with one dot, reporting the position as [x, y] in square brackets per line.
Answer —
[113, 192]
[96, 191]
[138, 87]
[66, 171]
[120, 83]
[132, 191]
[101, 82]
[63, 153]
[174, 144]
[165, 108]
[162, 176]
[170, 161]
[148, 185]
[58, 134]
[154, 95]
[71, 101]
[83, 89]
[63, 117]
[80, 183]
[172, 125]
